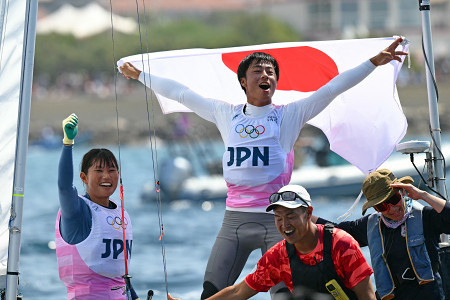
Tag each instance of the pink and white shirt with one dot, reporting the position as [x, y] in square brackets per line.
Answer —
[254, 163]
[93, 268]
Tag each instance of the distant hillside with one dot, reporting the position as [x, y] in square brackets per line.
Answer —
[181, 6]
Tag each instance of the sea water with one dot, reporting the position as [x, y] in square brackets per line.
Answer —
[190, 229]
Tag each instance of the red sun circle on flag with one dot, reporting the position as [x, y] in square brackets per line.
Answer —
[303, 69]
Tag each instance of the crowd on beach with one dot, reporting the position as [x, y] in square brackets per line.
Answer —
[102, 85]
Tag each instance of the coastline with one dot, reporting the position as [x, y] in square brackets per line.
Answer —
[98, 117]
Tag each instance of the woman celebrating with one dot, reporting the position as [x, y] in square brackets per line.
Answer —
[89, 228]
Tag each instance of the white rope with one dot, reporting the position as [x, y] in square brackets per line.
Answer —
[349, 212]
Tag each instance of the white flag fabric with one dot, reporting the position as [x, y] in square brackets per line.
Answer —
[11, 46]
[363, 125]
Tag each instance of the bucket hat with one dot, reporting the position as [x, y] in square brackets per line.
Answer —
[377, 187]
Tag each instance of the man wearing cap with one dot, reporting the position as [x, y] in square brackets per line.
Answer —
[309, 257]
[259, 137]
[403, 236]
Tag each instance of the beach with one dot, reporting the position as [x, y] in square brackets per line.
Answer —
[132, 109]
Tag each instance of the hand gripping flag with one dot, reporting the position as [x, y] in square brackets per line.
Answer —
[363, 125]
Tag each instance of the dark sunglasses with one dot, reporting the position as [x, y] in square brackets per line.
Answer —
[285, 196]
[383, 206]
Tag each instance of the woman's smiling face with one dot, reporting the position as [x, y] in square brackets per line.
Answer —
[101, 181]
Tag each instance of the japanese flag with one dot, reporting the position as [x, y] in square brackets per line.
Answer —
[363, 125]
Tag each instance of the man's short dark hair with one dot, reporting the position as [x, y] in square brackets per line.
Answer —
[258, 57]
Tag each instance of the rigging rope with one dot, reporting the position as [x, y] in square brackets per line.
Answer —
[126, 276]
[153, 147]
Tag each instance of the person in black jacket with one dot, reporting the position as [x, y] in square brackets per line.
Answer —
[402, 235]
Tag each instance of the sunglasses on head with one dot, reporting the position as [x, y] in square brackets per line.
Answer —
[285, 196]
[383, 206]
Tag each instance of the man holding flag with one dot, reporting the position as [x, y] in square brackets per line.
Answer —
[259, 138]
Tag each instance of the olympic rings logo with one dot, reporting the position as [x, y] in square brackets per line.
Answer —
[116, 222]
[249, 130]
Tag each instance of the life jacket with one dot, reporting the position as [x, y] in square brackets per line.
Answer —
[93, 268]
[416, 248]
[254, 163]
[314, 277]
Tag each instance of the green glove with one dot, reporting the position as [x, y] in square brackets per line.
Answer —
[70, 127]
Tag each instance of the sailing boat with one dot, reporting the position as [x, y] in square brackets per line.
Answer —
[17, 32]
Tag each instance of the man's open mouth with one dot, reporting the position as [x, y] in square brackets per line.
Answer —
[264, 86]
[289, 232]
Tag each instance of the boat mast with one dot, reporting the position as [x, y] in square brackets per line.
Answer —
[15, 227]
[439, 176]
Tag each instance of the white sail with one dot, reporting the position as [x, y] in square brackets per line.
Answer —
[17, 38]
